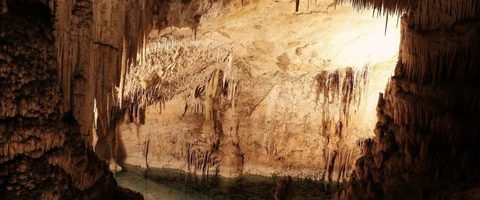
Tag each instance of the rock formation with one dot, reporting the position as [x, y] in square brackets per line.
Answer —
[96, 42]
[123, 79]
[228, 121]
[426, 143]
[42, 153]
[228, 102]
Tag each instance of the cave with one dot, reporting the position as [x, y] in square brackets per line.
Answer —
[240, 99]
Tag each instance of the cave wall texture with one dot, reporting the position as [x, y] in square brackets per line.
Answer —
[63, 65]
[43, 155]
[229, 103]
[228, 129]
[215, 114]
[426, 143]
[63, 82]
[96, 43]
[229, 125]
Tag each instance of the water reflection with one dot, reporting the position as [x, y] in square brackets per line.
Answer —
[171, 184]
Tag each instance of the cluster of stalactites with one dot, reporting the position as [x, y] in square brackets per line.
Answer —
[428, 117]
[217, 87]
[394, 7]
[438, 64]
[171, 67]
[338, 163]
[433, 77]
[339, 94]
[444, 13]
[202, 159]
[95, 42]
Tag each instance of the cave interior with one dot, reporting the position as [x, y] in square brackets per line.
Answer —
[240, 99]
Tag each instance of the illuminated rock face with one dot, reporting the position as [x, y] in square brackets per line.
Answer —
[277, 128]
[262, 100]
[426, 143]
[96, 42]
[243, 105]
[42, 155]
[99, 43]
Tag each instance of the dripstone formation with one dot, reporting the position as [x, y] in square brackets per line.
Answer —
[42, 153]
[427, 134]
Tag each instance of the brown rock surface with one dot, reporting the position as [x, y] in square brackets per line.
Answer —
[97, 41]
[42, 154]
[426, 143]
[247, 97]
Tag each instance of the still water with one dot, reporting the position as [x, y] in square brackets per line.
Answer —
[167, 184]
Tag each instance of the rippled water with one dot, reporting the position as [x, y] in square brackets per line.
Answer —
[167, 184]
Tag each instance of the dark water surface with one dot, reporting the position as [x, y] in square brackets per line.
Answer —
[168, 184]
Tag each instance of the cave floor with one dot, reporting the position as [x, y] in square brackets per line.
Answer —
[171, 184]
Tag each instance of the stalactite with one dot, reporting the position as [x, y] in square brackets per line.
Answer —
[150, 84]
[338, 95]
[386, 24]
[201, 160]
[426, 116]
[342, 91]
[146, 150]
[42, 152]
[102, 41]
